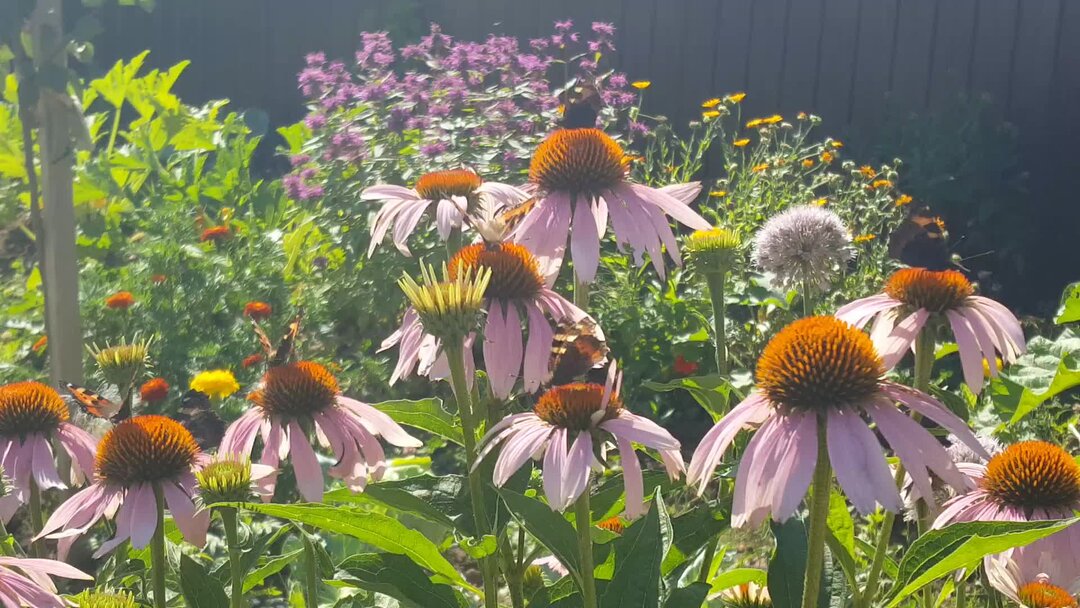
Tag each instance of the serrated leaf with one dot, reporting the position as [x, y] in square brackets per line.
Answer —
[548, 527]
[200, 590]
[1069, 311]
[1049, 368]
[425, 414]
[377, 530]
[399, 578]
[638, 555]
[270, 568]
[940, 552]
[437, 499]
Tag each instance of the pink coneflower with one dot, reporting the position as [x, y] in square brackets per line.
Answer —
[454, 192]
[820, 370]
[303, 395]
[914, 296]
[31, 415]
[515, 294]
[26, 582]
[563, 426]
[580, 177]
[1037, 576]
[136, 459]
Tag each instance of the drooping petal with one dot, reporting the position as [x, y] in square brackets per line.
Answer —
[309, 476]
[447, 217]
[48, 567]
[388, 192]
[192, 524]
[239, 438]
[1004, 320]
[859, 312]
[674, 207]
[904, 333]
[73, 513]
[43, 466]
[503, 195]
[632, 479]
[971, 356]
[502, 347]
[936, 411]
[685, 193]
[538, 348]
[584, 243]
[140, 507]
[81, 446]
[406, 223]
[577, 467]
[753, 410]
[518, 449]
[641, 430]
[554, 463]
[859, 463]
[797, 442]
[380, 423]
[752, 500]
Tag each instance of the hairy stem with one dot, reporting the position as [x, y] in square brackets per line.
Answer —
[716, 281]
[36, 517]
[311, 573]
[819, 522]
[583, 523]
[157, 550]
[232, 538]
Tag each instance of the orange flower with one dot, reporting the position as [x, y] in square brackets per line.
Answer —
[739, 143]
[216, 234]
[903, 199]
[881, 183]
[808, 162]
[759, 168]
[736, 97]
[251, 360]
[121, 300]
[710, 114]
[772, 120]
[682, 367]
[154, 390]
[40, 345]
[827, 157]
[711, 103]
[868, 171]
[863, 238]
[258, 311]
[158, 279]
[802, 116]
[757, 122]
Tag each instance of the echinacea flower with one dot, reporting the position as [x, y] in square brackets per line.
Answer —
[121, 300]
[98, 598]
[154, 390]
[566, 423]
[914, 297]
[516, 295]
[122, 364]
[305, 395]
[258, 311]
[32, 414]
[803, 246]
[26, 582]
[216, 234]
[1035, 577]
[137, 460]
[218, 383]
[228, 477]
[454, 193]
[746, 595]
[822, 371]
[579, 177]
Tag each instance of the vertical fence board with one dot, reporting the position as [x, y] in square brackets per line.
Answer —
[915, 35]
[839, 44]
[767, 46]
[801, 55]
[995, 40]
[873, 61]
[952, 51]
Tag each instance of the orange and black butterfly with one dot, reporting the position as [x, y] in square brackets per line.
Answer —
[96, 405]
[199, 418]
[576, 349]
[581, 105]
[513, 216]
[922, 241]
[281, 354]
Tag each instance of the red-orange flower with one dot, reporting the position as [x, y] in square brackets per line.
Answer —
[40, 345]
[158, 279]
[258, 311]
[682, 367]
[251, 360]
[216, 234]
[154, 390]
[121, 300]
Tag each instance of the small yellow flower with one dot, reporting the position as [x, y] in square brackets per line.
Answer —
[718, 193]
[903, 199]
[736, 97]
[739, 143]
[218, 383]
[801, 116]
[986, 366]
[821, 202]
[757, 122]
[711, 103]
[836, 143]
[772, 120]
[881, 183]
[827, 157]
[868, 171]
[641, 85]
[862, 238]
[759, 168]
[710, 114]
[808, 162]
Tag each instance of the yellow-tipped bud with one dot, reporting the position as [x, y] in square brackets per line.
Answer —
[227, 478]
[122, 364]
[448, 308]
[713, 250]
[93, 598]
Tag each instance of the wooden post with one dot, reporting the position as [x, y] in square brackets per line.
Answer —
[60, 271]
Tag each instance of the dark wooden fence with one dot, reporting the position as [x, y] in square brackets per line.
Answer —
[842, 59]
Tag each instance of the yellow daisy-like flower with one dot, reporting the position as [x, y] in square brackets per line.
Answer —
[739, 143]
[868, 171]
[772, 120]
[827, 157]
[736, 97]
[821, 202]
[718, 193]
[863, 238]
[808, 162]
[836, 143]
[218, 383]
[641, 85]
[759, 168]
[881, 183]
[757, 122]
[711, 103]
[710, 114]
[903, 199]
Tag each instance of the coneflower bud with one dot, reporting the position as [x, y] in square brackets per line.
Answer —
[450, 308]
[711, 251]
[122, 364]
[104, 599]
[227, 478]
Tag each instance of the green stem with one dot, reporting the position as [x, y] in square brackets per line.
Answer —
[232, 538]
[458, 382]
[819, 522]
[583, 523]
[112, 133]
[961, 593]
[157, 550]
[36, 518]
[807, 305]
[716, 281]
[311, 573]
[581, 294]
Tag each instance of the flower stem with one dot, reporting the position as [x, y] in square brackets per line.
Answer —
[961, 593]
[819, 522]
[807, 305]
[157, 550]
[581, 294]
[311, 573]
[488, 566]
[716, 281]
[583, 523]
[36, 520]
[229, 522]
[881, 550]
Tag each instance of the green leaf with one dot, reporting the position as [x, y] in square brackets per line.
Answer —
[375, 529]
[425, 414]
[1049, 368]
[840, 522]
[691, 596]
[609, 499]
[738, 576]
[941, 552]
[1069, 311]
[200, 590]
[399, 578]
[548, 527]
[439, 500]
[638, 555]
[787, 568]
[270, 568]
[712, 392]
[479, 549]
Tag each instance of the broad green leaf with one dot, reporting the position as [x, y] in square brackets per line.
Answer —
[437, 499]
[712, 392]
[690, 532]
[787, 568]
[375, 529]
[479, 549]
[690, 596]
[840, 522]
[550, 528]
[426, 414]
[940, 552]
[295, 135]
[1069, 312]
[270, 568]
[399, 578]
[638, 555]
[1049, 368]
[738, 576]
[609, 499]
[200, 590]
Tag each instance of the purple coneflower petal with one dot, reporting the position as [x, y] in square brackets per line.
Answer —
[191, 522]
[502, 347]
[971, 355]
[903, 335]
[859, 463]
[503, 195]
[309, 476]
[389, 192]
[554, 463]
[45, 566]
[641, 430]
[585, 243]
[796, 463]
[778, 461]
[502, 429]
[538, 348]
[81, 446]
[684, 193]
[406, 222]
[576, 469]
[934, 410]
[380, 423]
[140, 507]
[675, 206]
[632, 479]
[1004, 320]
[859, 312]
[673, 462]
[960, 508]
[519, 448]
[43, 465]
[240, 436]
[447, 217]
[76, 514]
[753, 410]
[984, 338]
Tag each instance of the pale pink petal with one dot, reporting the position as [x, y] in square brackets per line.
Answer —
[383, 220]
[240, 436]
[641, 430]
[75, 513]
[447, 217]
[896, 344]
[676, 208]
[538, 348]
[560, 308]
[576, 470]
[959, 509]
[517, 450]
[9, 505]
[584, 243]
[632, 479]
[936, 411]
[971, 356]
[503, 195]
[859, 312]
[753, 499]
[984, 337]
[609, 385]
[140, 508]
[684, 193]
[406, 224]
[860, 465]
[45, 566]
[309, 475]
[1004, 320]
[81, 446]
[380, 423]
[554, 463]
[502, 347]
[753, 410]
[388, 191]
[673, 462]
[43, 465]
[503, 430]
[796, 444]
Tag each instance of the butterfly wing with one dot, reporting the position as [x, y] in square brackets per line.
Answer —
[199, 418]
[581, 106]
[921, 241]
[576, 349]
[93, 403]
[264, 340]
[288, 342]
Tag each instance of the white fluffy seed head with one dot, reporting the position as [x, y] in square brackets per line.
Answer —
[804, 245]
